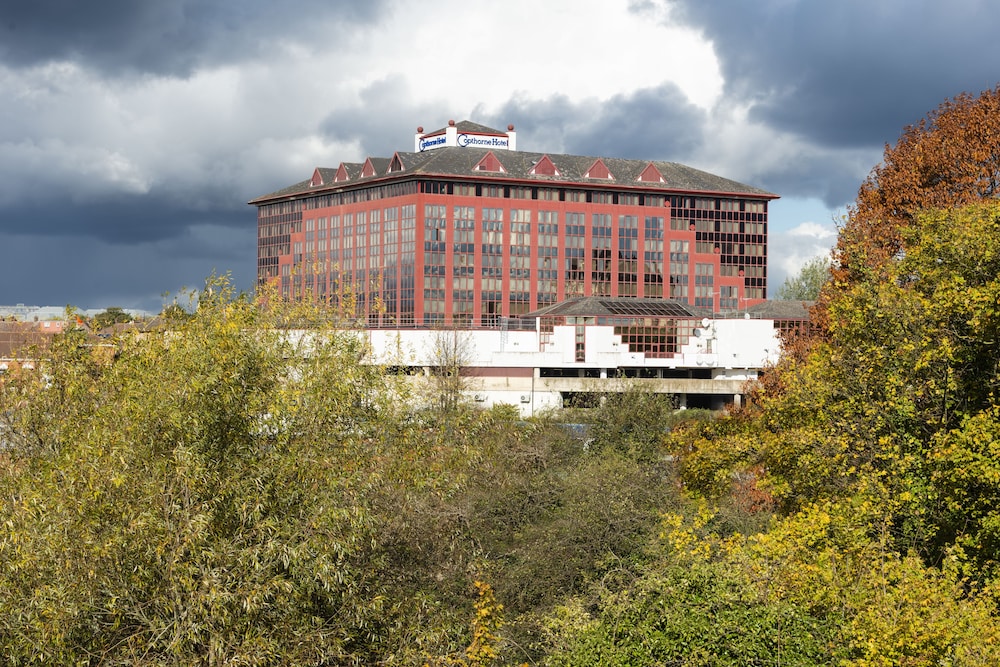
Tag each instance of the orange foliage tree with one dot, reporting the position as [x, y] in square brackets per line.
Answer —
[949, 159]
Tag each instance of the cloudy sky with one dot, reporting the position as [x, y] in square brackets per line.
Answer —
[132, 134]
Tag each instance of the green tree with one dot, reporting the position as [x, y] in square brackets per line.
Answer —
[175, 313]
[819, 588]
[109, 316]
[202, 499]
[899, 401]
[806, 285]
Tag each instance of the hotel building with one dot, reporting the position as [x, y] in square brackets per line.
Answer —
[468, 231]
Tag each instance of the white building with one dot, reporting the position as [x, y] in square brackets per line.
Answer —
[567, 356]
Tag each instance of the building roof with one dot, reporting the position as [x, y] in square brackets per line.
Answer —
[781, 310]
[467, 126]
[604, 306]
[19, 338]
[518, 166]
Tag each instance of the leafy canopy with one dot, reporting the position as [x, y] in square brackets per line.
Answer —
[949, 159]
[806, 285]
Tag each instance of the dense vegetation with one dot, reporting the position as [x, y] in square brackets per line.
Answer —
[224, 493]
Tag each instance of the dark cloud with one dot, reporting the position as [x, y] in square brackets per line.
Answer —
[122, 220]
[173, 37]
[832, 177]
[88, 273]
[118, 185]
[848, 73]
[383, 121]
[653, 123]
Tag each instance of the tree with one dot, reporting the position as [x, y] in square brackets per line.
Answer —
[451, 354]
[950, 158]
[210, 496]
[175, 313]
[110, 316]
[633, 421]
[819, 588]
[807, 284]
[898, 401]
[234, 490]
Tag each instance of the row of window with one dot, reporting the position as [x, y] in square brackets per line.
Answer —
[405, 188]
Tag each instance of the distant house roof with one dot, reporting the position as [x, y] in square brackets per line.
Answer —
[18, 338]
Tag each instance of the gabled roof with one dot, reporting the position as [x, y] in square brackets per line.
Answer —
[489, 163]
[468, 127]
[375, 166]
[323, 176]
[544, 167]
[346, 171]
[651, 175]
[522, 167]
[395, 164]
[598, 170]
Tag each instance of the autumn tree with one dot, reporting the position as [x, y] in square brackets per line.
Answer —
[950, 158]
[237, 489]
[898, 401]
[820, 588]
[875, 445]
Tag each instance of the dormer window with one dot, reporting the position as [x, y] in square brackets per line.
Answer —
[490, 163]
[651, 175]
[599, 170]
[545, 167]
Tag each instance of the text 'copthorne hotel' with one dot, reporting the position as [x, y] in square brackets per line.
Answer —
[468, 231]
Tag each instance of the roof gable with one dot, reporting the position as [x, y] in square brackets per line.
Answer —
[489, 162]
[396, 164]
[572, 170]
[368, 169]
[599, 170]
[651, 175]
[317, 178]
[545, 167]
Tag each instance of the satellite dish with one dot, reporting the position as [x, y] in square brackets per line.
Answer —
[705, 322]
[697, 333]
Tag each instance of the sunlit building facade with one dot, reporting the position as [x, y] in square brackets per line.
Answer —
[468, 231]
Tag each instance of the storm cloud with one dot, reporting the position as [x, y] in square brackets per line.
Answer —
[132, 135]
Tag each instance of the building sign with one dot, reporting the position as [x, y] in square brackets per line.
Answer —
[463, 141]
[432, 142]
[481, 141]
